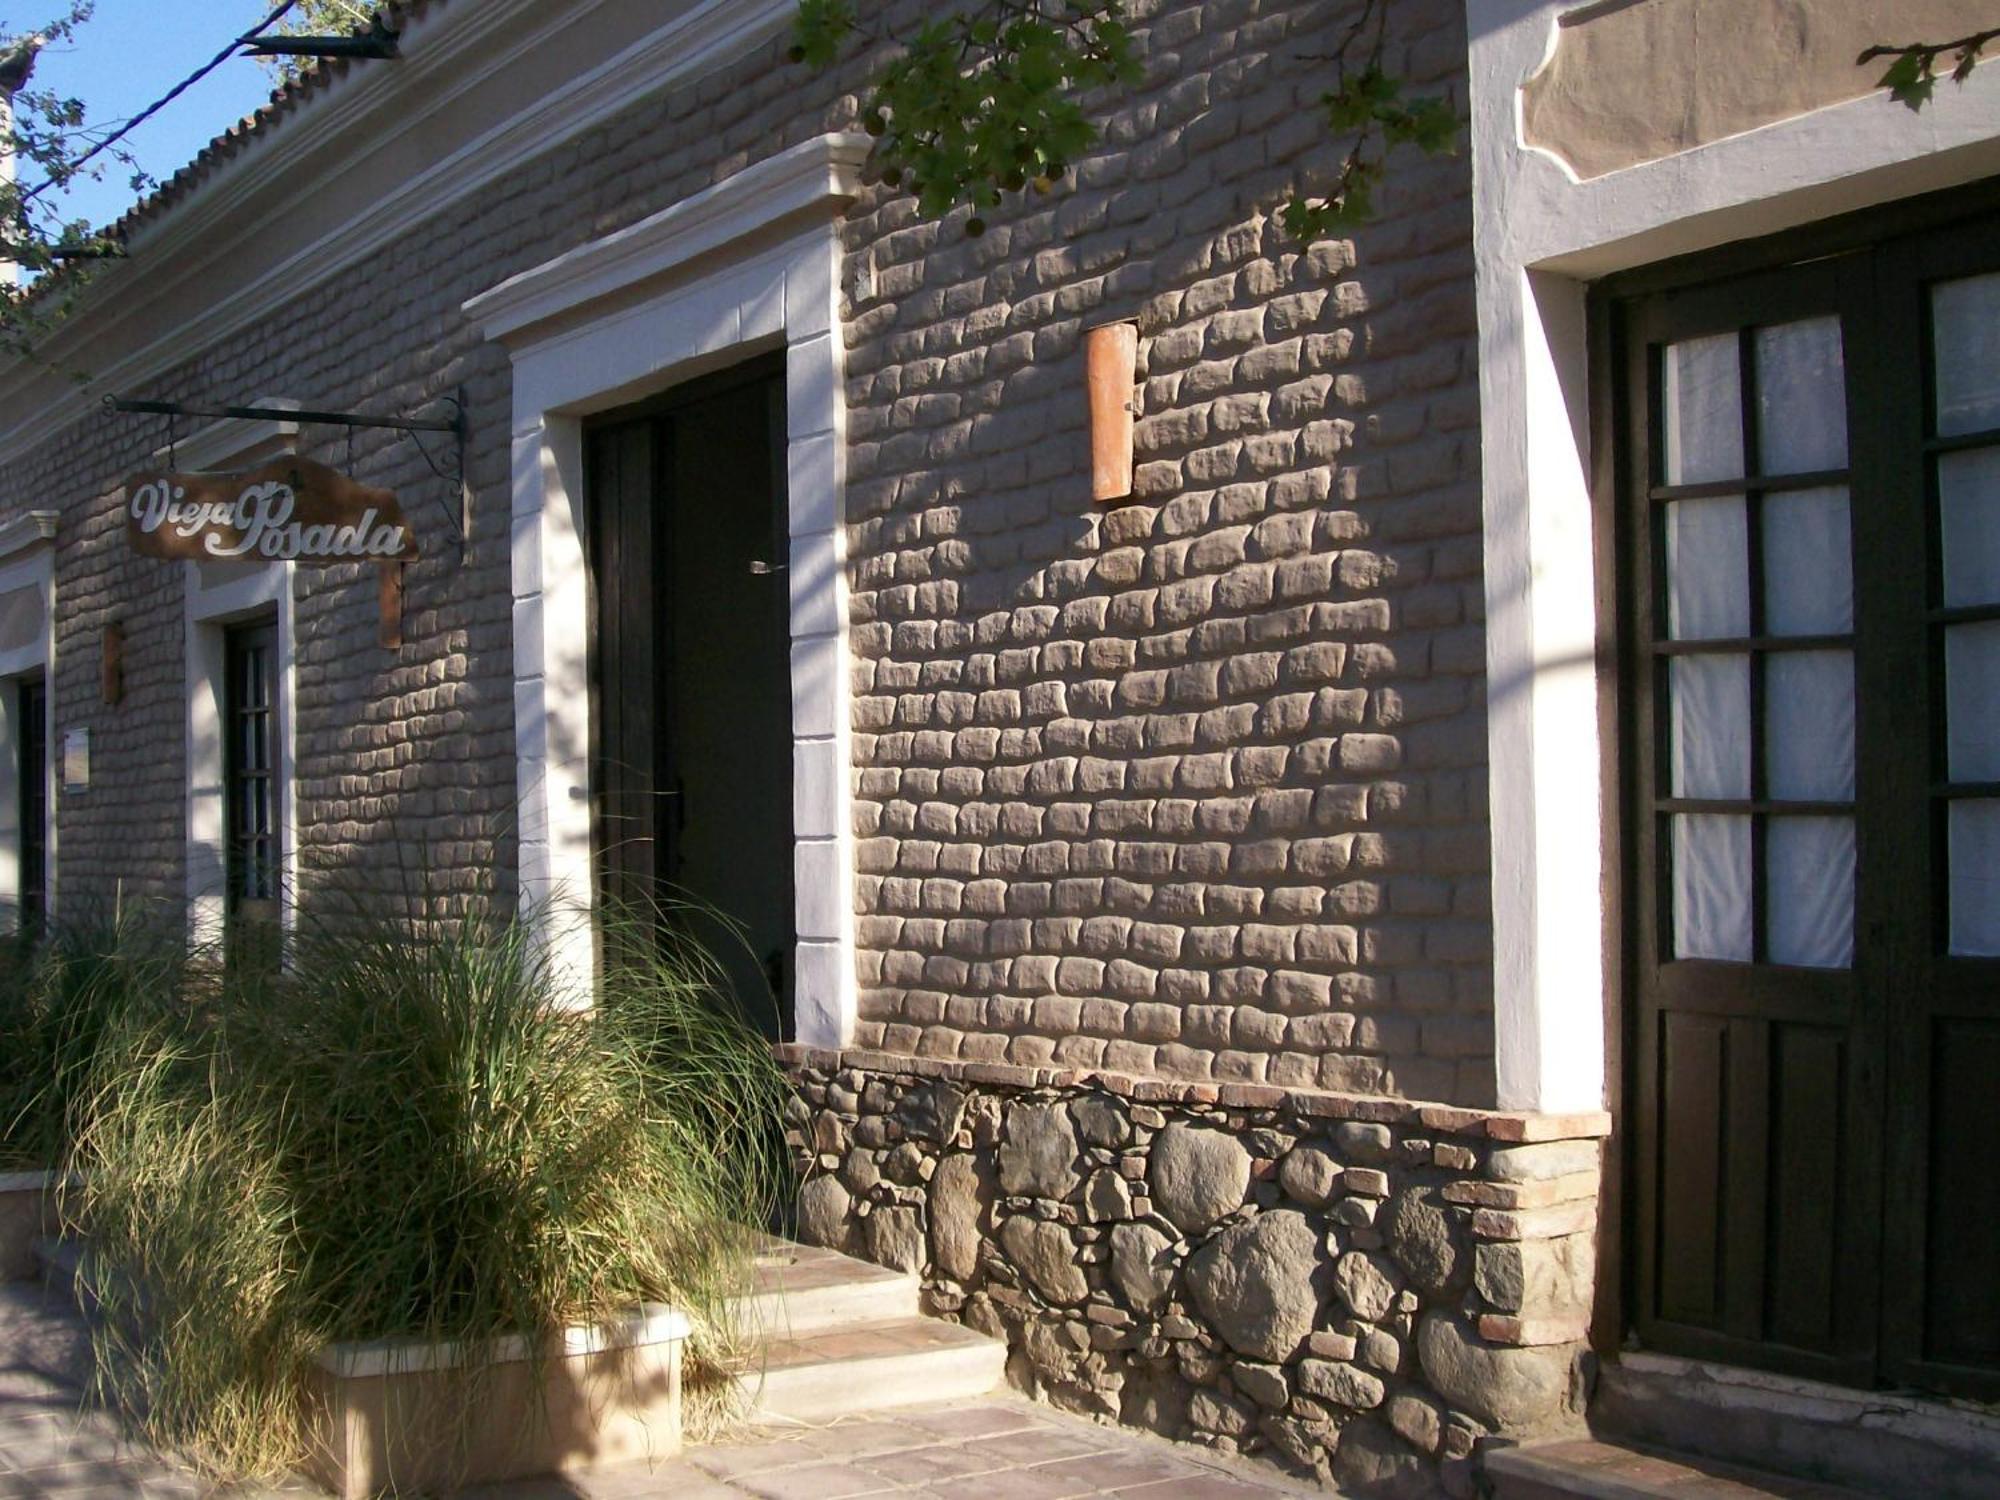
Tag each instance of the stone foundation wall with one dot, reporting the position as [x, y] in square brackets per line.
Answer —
[1361, 1289]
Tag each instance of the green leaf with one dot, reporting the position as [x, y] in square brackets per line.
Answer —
[1909, 79]
[819, 30]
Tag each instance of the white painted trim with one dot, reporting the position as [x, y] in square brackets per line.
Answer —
[1538, 236]
[444, 71]
[28, 531]
[216, 596]
[648, 1323]
[30, 565]
[581, 343]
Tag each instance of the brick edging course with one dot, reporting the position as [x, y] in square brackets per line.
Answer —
[1512, 1126]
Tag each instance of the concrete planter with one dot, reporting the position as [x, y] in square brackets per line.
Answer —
[398, 1415]
[27, 1214]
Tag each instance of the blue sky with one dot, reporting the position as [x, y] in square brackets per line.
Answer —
[129, 54]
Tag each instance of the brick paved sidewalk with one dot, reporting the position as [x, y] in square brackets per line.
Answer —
[993, 1448]
[49, 1448]
[999, 1448]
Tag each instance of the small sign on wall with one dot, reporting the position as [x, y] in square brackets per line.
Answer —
[292, 510]
[75, 759]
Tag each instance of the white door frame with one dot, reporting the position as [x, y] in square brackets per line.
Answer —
[749, 265]
[27, 572]
[1540, 237]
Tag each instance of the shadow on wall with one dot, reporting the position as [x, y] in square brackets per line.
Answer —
[1251, 694]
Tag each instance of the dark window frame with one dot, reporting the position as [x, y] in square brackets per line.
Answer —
[252, 764]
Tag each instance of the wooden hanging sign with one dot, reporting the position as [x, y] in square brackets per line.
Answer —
[290, 510]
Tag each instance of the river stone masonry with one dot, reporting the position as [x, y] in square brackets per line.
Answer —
[1358, 1289]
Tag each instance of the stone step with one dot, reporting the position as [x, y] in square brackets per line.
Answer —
[835, 1372]
[801, 1289]
[61, 1262]
[43, 1335]
[1874, 1442]
[1585, 1469]
[833, 1335]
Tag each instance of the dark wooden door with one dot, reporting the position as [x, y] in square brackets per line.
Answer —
[1940, 583]
[1810, 542]
[689, 542]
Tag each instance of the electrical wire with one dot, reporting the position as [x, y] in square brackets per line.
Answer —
[161, 103]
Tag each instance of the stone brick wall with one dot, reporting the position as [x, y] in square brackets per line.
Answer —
[1191, 786]
[1195, 785]
[1360, 1289]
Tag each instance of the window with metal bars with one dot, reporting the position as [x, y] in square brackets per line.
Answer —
[250, 772]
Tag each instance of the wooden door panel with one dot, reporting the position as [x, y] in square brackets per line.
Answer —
[1941, 1326]
[1692, 1131]
[1808, 1087]
[1754, 1109]
[1753, 1209]
[1962, 1277]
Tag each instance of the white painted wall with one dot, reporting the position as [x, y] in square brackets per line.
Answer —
[1540, 237]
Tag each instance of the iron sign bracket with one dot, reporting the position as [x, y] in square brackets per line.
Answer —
[448, 466]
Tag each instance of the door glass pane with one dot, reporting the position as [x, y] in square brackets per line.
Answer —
[1809, 891]
[1708, 577]
[1712, 887]
[1809, 725]
[1972, 701]
[1703, 408]
[1972, 833]
[1711, 726]
[1801, 397]
[1808, 563]
[1969, 512]
[1965, 322]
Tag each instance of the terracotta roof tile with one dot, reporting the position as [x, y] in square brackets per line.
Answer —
[315, 77]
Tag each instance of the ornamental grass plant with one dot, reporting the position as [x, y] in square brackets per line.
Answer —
[63, 990]
[413, 1130]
